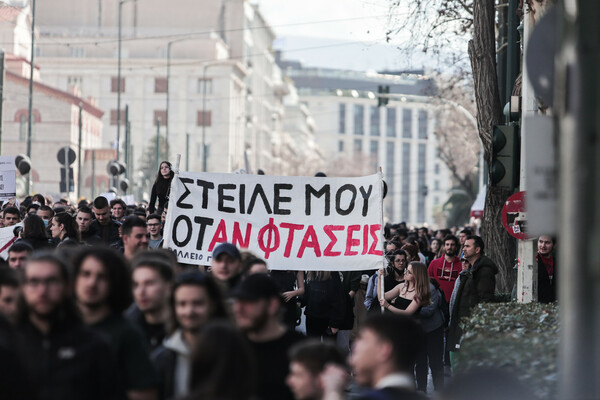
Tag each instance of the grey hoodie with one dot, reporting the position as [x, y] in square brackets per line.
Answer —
[176, 343]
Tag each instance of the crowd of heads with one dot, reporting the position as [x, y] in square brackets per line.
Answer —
[87, 263]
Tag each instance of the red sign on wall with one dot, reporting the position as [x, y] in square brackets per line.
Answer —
[514, 216]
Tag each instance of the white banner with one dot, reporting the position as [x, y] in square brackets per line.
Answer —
[8, 177]
[293, 223]
[7, 238]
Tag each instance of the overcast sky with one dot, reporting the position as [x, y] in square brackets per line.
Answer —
[335, 33]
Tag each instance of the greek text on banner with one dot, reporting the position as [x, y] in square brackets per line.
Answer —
[294, 223]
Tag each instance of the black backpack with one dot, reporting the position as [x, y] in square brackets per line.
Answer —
[444, 307]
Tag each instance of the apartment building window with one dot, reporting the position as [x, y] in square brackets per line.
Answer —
[390, 125]
[23, 127]
[114, 85]
[375, 121]
[204, 118]
[405, 181]
[359, 119]
[22, 117]
[374, 148]
[74, 81]
[342, 118]
[390, 162]
[208, 83]
[162, 114]
[77, 52]
[407, 123]
[160, 85]
[436, 169]
[421, 181]
[113, 117]
[422, 124]
[340, 146]
[357, 145]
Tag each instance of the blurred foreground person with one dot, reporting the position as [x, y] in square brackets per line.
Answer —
[103, 292]
[384, 355]
[222, 366]
[195, 300]
[308, 360]
[61, 358]
[152, 280]
[257, 311]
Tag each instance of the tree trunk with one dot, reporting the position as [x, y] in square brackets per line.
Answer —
[500, 246]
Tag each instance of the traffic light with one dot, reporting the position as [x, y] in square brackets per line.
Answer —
[115, 168]
[23, 164]
[124, 184]
[506, 157]
[382, 101]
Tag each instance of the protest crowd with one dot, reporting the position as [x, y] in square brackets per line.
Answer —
[93, 307]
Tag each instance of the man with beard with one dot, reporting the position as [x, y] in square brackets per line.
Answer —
[195, 300]
[103, 292]
[445, 269]
[257, 313]
[61, 358]
[546, 269]
[477, 284]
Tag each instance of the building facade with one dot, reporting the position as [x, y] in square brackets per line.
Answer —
[359, 136]
[206, 69]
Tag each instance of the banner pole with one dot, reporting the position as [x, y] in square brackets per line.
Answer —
[382, 238]
[177, 162]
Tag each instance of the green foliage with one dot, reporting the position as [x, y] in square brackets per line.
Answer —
[458, 207]
[148, 163]
[521, 338]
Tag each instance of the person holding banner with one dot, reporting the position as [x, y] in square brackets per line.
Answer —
[410, 295]
[161, 188]
[324, 309]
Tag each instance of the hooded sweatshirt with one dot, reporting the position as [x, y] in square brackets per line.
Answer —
[172, 360]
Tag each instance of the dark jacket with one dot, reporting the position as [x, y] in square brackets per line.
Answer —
[477, 285]
[108, 234]
[37, 243]
[431, 315]
[546, 285]
[391, 393]
[161, 194]
[350, 282]
[91, 237]
[70, 363]
[324, 299]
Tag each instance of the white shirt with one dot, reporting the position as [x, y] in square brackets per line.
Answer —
[397, 380]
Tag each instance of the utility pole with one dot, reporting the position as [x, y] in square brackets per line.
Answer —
[127, 141]
[2, 64]
[157, 143]
[187, 151]
[79, 145]
[93, 174]
[577, 100]
[30, 109]
[121, 2]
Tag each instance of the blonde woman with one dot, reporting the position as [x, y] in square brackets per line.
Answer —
[410, 295]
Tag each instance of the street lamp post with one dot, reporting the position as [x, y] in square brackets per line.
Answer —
[30, 116]
[121, 2]
[205, 66]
